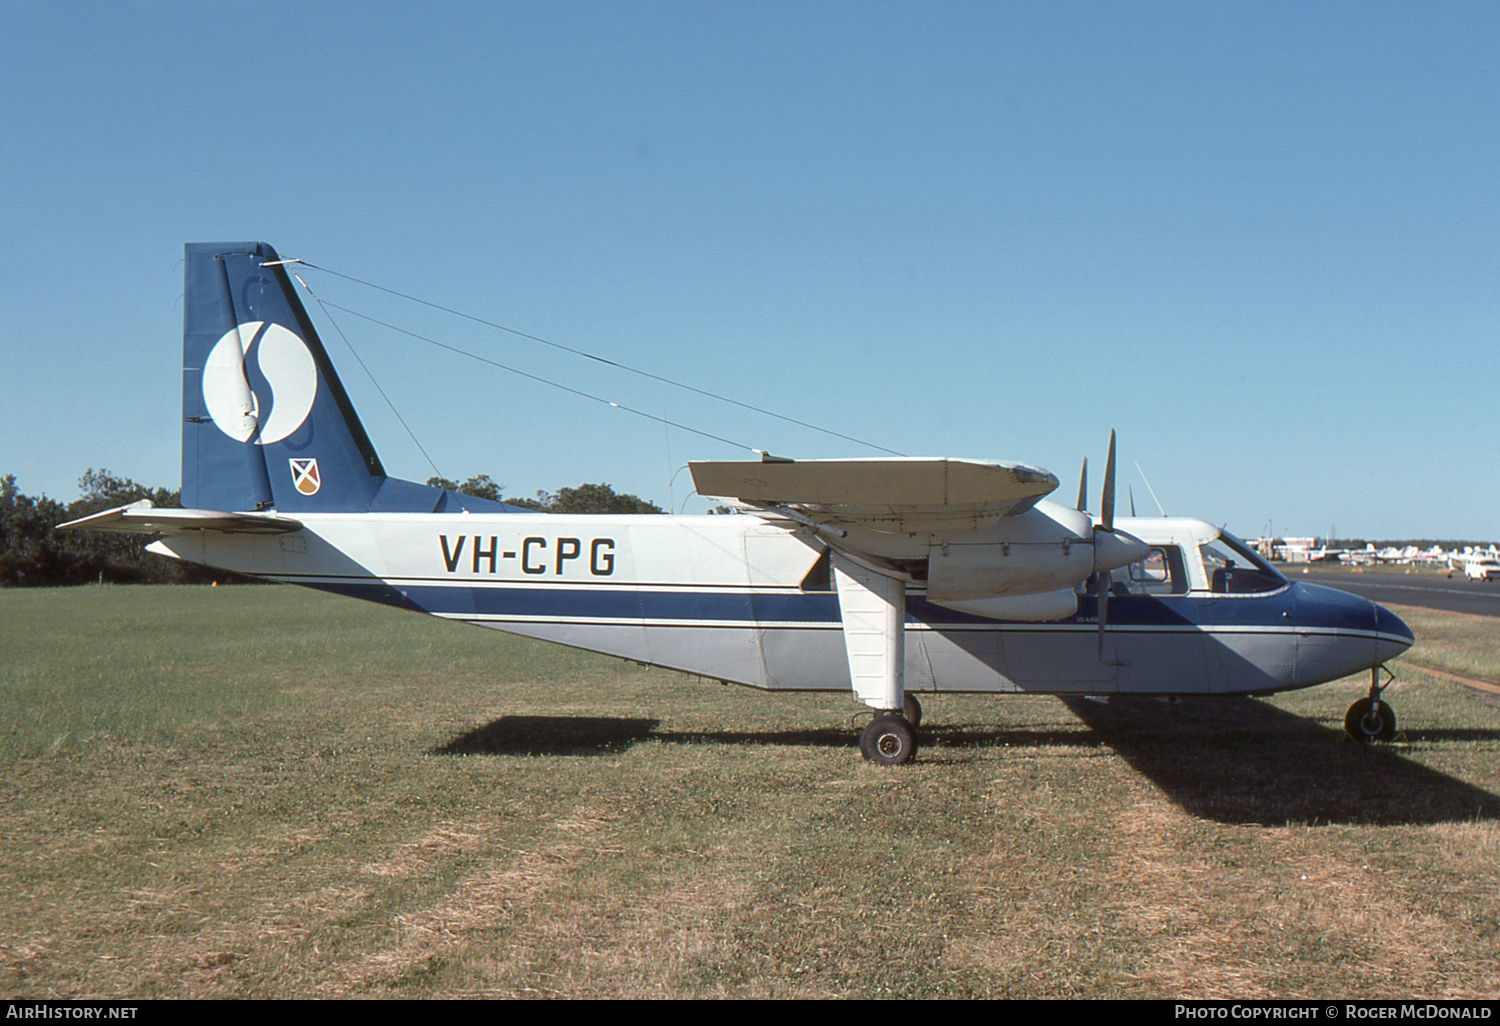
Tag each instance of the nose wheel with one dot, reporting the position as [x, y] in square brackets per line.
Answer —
[1371, 719]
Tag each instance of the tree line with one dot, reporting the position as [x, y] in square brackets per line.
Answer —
[34, 553]
[586, 498]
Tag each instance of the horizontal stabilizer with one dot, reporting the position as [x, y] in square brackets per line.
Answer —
[144, 518]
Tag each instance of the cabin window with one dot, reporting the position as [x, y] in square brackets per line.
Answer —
[1160, 573]
[1233, 568]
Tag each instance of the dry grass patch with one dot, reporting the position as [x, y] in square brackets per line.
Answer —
[554, 921]
[1190, 944]
[413, 809]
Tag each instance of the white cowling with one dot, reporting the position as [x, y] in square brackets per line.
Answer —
[1040, 554]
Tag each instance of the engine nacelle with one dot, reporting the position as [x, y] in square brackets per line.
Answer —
[1049, 548]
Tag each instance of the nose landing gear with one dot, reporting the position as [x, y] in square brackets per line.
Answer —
[1370, 719]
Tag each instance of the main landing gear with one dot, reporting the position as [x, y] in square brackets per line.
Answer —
[1370, 719]
[890, 739]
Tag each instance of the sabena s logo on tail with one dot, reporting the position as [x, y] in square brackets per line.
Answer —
[288, 368]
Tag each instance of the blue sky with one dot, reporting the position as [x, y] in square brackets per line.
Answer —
[1261, 240]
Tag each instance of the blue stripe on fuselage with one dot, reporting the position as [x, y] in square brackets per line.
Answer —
[1300, 605]
[592, 603]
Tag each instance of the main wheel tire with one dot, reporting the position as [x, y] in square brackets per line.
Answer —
[912, 710]
[888, 740]
[1370, 720]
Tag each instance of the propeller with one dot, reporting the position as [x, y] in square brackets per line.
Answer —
[1107, 524]
[1107, 502]
[1111, 548]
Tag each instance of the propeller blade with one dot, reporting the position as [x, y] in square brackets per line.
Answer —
[1107, 507]
[1132, 500]
[1083, 487]
[1101, 590]
[1107, 524]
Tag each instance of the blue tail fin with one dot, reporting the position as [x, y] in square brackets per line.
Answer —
[266, 423]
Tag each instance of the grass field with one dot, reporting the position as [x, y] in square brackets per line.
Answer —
[265, 792]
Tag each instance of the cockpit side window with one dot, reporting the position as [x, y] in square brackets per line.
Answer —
[1233, 568]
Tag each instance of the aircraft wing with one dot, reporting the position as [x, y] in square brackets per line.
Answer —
[882, 494]
[144, 518]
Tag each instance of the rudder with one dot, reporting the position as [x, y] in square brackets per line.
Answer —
[266, 423]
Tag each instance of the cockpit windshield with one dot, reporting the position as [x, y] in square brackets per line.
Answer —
[1234, 568]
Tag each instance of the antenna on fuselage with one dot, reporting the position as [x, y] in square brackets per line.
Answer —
[1149, 489]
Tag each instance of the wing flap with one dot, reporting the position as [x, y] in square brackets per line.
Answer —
[144, 518]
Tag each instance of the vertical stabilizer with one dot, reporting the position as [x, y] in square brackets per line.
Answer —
[266, 423]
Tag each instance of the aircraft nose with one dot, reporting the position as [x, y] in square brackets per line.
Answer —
[1340, 633]
[1392, 635]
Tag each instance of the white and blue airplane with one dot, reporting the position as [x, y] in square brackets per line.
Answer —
[887, 577]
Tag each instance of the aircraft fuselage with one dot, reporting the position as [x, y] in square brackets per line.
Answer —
[738, 599]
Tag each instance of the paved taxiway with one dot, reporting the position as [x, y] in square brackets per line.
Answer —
[1428, 590]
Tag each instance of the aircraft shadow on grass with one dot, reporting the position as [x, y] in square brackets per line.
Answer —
[550, 735]
[1239, 760]
[1232, 760]
[602, 735]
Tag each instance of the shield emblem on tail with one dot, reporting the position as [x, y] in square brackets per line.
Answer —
[305, 476]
